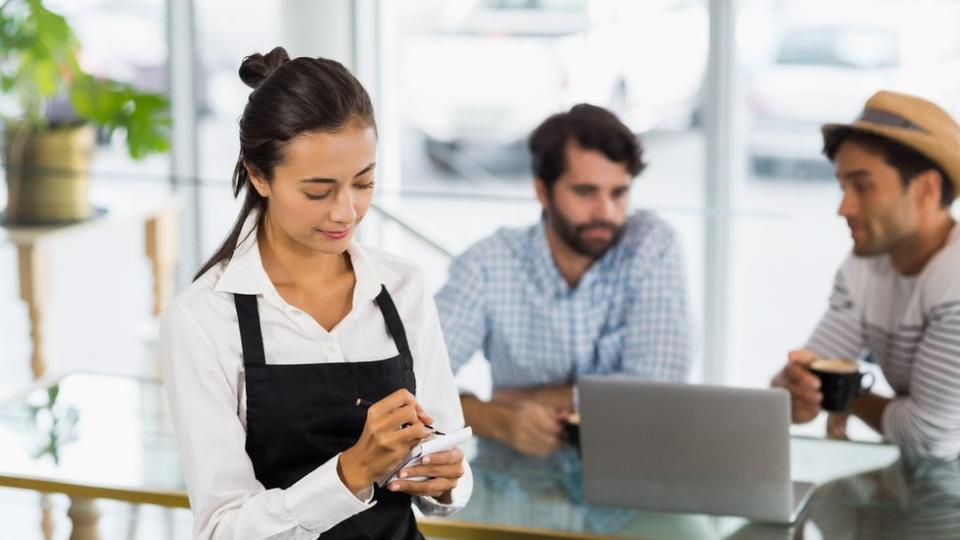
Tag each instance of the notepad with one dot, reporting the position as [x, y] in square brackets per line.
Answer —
[437, 443]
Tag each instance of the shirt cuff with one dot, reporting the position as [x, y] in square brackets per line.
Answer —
[458, 497]
[320, 500]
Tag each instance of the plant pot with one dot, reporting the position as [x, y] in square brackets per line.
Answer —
[47, 174]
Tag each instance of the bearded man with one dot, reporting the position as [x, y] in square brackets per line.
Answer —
[589, 289]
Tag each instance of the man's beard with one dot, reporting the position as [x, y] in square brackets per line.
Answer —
[573, 234]
[882, 234]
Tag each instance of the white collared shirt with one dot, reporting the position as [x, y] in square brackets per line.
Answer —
[201, 356]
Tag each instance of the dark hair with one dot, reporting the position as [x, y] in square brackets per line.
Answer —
[907, 161]
[289, 97]
[592, 128]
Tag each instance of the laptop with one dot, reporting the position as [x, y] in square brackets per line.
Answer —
[687, 448]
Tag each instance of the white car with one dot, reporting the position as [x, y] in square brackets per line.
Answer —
[480, 88]
[830, 58]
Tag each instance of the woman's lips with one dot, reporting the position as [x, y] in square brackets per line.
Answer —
[336, 235]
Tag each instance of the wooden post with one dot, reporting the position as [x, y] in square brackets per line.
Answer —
[46, 516]
[33, 276]
[84, 517]
[160, 240]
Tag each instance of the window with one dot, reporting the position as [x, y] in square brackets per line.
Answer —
[475, 78]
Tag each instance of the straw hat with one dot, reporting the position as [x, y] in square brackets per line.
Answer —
[913, 122]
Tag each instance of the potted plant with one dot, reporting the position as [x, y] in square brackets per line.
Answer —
[48, 145]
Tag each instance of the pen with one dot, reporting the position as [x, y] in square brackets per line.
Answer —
[366, 405]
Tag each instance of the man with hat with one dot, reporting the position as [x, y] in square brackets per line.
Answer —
[896, 298]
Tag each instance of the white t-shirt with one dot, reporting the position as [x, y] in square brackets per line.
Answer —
[910, 326]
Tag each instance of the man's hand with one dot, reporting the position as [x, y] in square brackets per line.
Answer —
[804, 386]
[559, 397]
[837, 426]
[526, 419]
[535, 429]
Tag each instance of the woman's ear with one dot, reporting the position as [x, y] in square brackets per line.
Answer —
[257, 181]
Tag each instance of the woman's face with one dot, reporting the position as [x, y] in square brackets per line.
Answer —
[323, 188]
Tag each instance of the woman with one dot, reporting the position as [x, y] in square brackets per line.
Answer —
[290, 323]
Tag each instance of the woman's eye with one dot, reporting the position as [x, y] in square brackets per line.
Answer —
[367, 185]
[317, 197]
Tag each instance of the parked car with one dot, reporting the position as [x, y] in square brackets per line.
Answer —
[830, 58]
[478, 89]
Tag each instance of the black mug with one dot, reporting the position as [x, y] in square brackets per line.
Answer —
[840, 382]
[571, 430]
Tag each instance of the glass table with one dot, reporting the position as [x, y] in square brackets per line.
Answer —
[93, 436]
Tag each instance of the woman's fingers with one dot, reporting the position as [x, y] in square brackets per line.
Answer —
[434, 487]
[452, 470]
[454, 455]
[396, 400]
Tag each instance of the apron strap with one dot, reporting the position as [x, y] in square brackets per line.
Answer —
[394, 324]
[250, 337]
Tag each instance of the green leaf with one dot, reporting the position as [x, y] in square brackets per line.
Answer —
[101, 102]
[55, 37]
[148, 126]
[45, 75]
[38, 60]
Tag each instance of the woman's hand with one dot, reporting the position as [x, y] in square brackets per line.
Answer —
[394, 425]
[442, 471]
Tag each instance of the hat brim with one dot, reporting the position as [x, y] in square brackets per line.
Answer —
[946, 158]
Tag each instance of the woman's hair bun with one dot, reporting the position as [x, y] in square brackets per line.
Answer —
[257, 67]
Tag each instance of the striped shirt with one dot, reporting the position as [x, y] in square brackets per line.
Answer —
[627, 314]
[910, 326]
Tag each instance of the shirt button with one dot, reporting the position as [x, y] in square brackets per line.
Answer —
[332, 352]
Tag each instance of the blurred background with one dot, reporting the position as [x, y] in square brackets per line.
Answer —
[727, 98]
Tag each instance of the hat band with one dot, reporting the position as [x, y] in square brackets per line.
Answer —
[887, 118]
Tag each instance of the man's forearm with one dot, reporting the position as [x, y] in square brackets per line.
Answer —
[487, 418]
[869, 408]
[557, 396]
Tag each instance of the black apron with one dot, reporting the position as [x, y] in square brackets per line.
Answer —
[301, 415]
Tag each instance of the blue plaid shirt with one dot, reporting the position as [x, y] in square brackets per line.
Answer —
[627, 314]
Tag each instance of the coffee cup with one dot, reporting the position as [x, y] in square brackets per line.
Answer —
[571, 430]
[840, 382]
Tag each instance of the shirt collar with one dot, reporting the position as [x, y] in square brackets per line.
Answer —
[244, 272]
[546, 268]
[371, 273]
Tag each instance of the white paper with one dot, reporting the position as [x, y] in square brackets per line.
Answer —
[433, 445]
